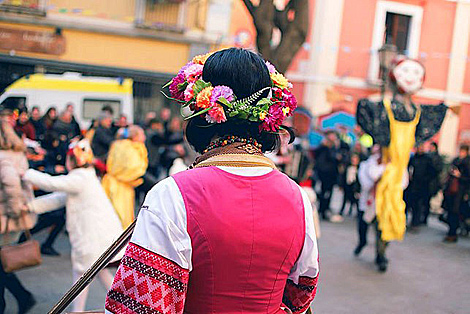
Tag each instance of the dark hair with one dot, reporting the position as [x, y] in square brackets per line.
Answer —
[49, 110]
[155, 121]
[434, 144]
[465, 147]
[108, 108]
[245, 72]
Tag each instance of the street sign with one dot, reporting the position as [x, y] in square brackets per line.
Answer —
[31, 41]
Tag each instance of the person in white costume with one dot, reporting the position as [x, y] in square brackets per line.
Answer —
[92, 223]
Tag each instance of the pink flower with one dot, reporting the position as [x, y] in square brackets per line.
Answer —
[273, 119]
[290, 100]
[271, 67]
[174, 87]
[175, 91]
[189, 92]
[222, 91]
[193, 72]
[216, 115]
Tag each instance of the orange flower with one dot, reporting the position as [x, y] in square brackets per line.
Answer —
[201, 59]
[203, 99]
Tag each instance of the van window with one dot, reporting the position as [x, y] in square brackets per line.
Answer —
[14, 102]
[92, 107]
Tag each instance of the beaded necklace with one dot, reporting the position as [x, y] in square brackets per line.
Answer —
[224, 141]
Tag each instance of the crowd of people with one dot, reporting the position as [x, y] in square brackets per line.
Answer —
[41, 150]
[337, 163]
[85, 178]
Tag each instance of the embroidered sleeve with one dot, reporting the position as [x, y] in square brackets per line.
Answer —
[432, 117]
[372, 118]
[153, 275]
[301, 285]
[297, 297]
[146, 282]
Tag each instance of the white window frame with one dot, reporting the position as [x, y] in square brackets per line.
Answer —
[416, 13]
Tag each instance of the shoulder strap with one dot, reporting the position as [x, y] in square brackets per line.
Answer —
[388, 107]
[417, 115]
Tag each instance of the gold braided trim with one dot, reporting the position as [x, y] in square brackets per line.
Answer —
[237, 160]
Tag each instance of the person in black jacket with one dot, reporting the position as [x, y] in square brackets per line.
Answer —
[435, 183]
[457, 191]
[75, 126]
[327, 158]
[38, 124]
[421, 172]
[103, 137]
[351, 185]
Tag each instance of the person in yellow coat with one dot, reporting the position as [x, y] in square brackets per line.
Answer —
[397, 125]
[126, 164]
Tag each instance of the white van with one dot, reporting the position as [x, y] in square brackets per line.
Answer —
[88, 94]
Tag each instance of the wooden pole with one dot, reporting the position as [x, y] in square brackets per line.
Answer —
[91, 273]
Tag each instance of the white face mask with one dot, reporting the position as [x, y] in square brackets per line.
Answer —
[409, 76]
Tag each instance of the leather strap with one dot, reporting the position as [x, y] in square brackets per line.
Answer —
[6, 235]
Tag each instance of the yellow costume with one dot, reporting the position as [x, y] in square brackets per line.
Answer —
[390, 206]
[126, 164]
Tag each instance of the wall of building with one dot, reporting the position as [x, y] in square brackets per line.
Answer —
[111, 10]
[113, 50]
[356, 38]
[436, 41]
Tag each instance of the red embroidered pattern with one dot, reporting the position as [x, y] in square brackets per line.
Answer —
[297, 297]
[147, 283]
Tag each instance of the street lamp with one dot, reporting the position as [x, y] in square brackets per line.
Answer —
[387, 53]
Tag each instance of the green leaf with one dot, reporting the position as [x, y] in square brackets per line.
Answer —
[243, 115]
[187, 103]
[199, 85]
[197, 113]
[253, 118]
[263, 101]
[232, 114]
[171, 98]
[183, 86]
[225, 102]
[167, 84]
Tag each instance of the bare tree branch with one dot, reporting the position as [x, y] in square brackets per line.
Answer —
[293, 33]
[249, 5]
[280, 20]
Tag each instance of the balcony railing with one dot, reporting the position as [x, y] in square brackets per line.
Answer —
[31, 7]
[169, 15]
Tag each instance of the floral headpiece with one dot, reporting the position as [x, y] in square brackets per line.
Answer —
[219, 103]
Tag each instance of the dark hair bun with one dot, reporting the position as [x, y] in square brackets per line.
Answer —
[245, 72]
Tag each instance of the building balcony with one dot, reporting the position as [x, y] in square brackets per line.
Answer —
[171, 15]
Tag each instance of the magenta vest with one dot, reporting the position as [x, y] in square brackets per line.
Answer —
[246, 233]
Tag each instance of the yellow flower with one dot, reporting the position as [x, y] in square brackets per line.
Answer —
[286, 110]
[201, 59]
[279, 80]
[203, 99]
[262, 115]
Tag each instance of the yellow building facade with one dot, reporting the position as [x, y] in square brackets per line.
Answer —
[147, 40]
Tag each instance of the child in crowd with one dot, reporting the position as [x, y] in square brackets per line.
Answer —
[352, 188]
[92, 223]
